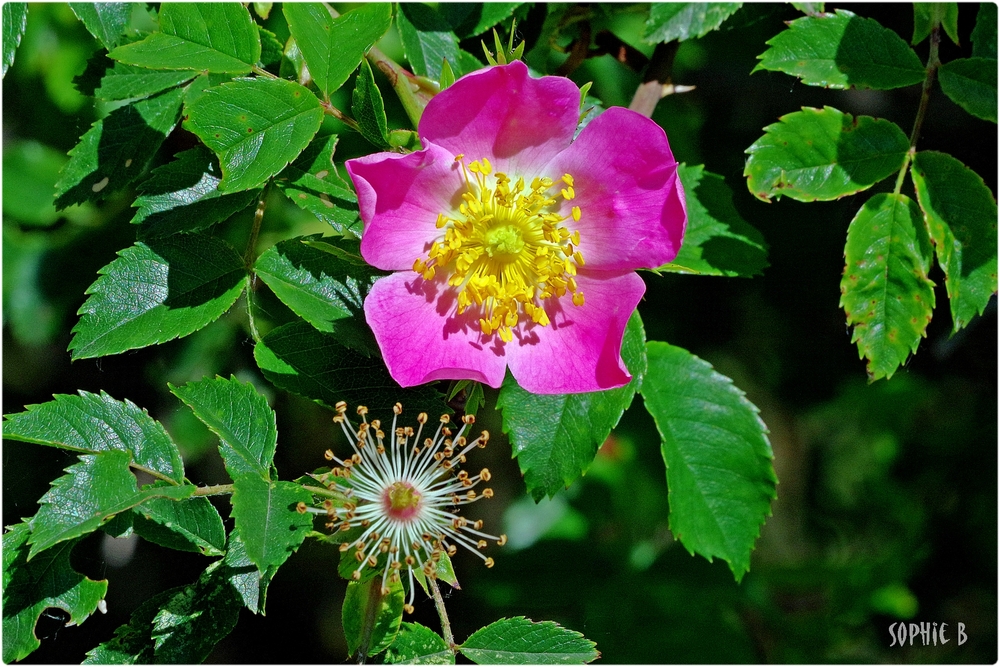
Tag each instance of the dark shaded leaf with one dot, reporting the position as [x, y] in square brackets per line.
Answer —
[971, 83]
[370, 619]
[312, 182]
[428, 40]
[368, 108]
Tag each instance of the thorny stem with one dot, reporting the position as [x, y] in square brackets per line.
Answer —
[449, 638]
[933, 62]
[217, 490]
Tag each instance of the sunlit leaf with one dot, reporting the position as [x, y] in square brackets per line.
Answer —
[520, 641]
[714, 444]
[265, 512]
[823, 154]
[686, 20]
[211, 36]
[368, 108]
[192, 524]
[15, 20]
[157, 291]
[126, 82]
[106, 21]
[250, 583]
[843, 50]
[416, 644]
[885, 290]
[556, 436]
[961, 214]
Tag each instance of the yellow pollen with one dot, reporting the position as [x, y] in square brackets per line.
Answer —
[507, 249]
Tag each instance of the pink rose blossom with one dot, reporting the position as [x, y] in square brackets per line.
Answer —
[514, 244]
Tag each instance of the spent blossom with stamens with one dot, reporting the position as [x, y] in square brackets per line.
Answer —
[514, 240]
[404, 492]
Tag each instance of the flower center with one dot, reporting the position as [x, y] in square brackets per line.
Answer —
[401, 501]
[509, 250]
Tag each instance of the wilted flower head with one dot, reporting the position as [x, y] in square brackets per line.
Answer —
[404, 493]
[515, 244]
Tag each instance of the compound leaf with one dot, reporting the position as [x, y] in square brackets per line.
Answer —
[97, 488]
[255, 126]
[192, 524]
[15, 21]
[92, 423]
[183, 196]
[520, 641]
[885, 290]
[961, 214]
[686, 20]
[298, 358]
[823, 154]
[204, 36]
[156, 291]
[718, 458]
[971, 83]
[29, 588]
[334, 47]
[416, 644]
[270, 526]
[555, 437]
[242, 419]
[106, 21]
[312, 182]
[842, 50]
[318, 285]
[116, 149]
[717, 241]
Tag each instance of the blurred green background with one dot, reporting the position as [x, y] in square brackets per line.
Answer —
[887, 506]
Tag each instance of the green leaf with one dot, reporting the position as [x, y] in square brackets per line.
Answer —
[368, 108]
[714, 444]
[267, 519]
[312, 182]
[192, 524]
[842, 51]
[885, 290]
[984, 35]
[686, 20]
[971, 83]
[132, 643]
[217, 37]
[116, 149]
[96, 488]
[416, 644]
[928, 15]
[823, 154]
[427, 39]
[106, 21]
[961, 214]
[126, 82]
[30, 170]
[256, 126]
[318, 286]
[555, 437]
[183, 196]
[271, 48]
[249, 582]
[717, 241]
[92, 423]
[810, 8]
[520, 641]
[15, 21]
[29, 588]
[242, 419]
[157, 291]
[298, 358]
[370, 619]
[334, 47]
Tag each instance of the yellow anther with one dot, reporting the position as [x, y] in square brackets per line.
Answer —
[576, 216]
[578, 257]
[489, 562]
[568, 193]
[568, 180]
[578, 299]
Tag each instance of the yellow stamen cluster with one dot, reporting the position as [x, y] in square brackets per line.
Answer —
[508, 250]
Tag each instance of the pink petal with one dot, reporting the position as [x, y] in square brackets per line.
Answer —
[580, 350]
[422, 339]
[400, 197]
[503, 114]
[631, 200]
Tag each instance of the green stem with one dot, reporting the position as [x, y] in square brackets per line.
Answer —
[414, 92]
[154, 473]
[250, 258]
[933, 63]
[217, 490]
[260, 71]
[331, 110]
[449, 637]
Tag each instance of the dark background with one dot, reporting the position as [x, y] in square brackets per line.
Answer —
[887, 506]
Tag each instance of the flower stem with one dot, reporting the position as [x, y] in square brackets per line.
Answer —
[933, 62]
[414, 92]
[217, 490]
[449, 638]
[250, 258]
[331, 110]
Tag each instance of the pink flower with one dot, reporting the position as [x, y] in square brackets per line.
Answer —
[515, 245]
